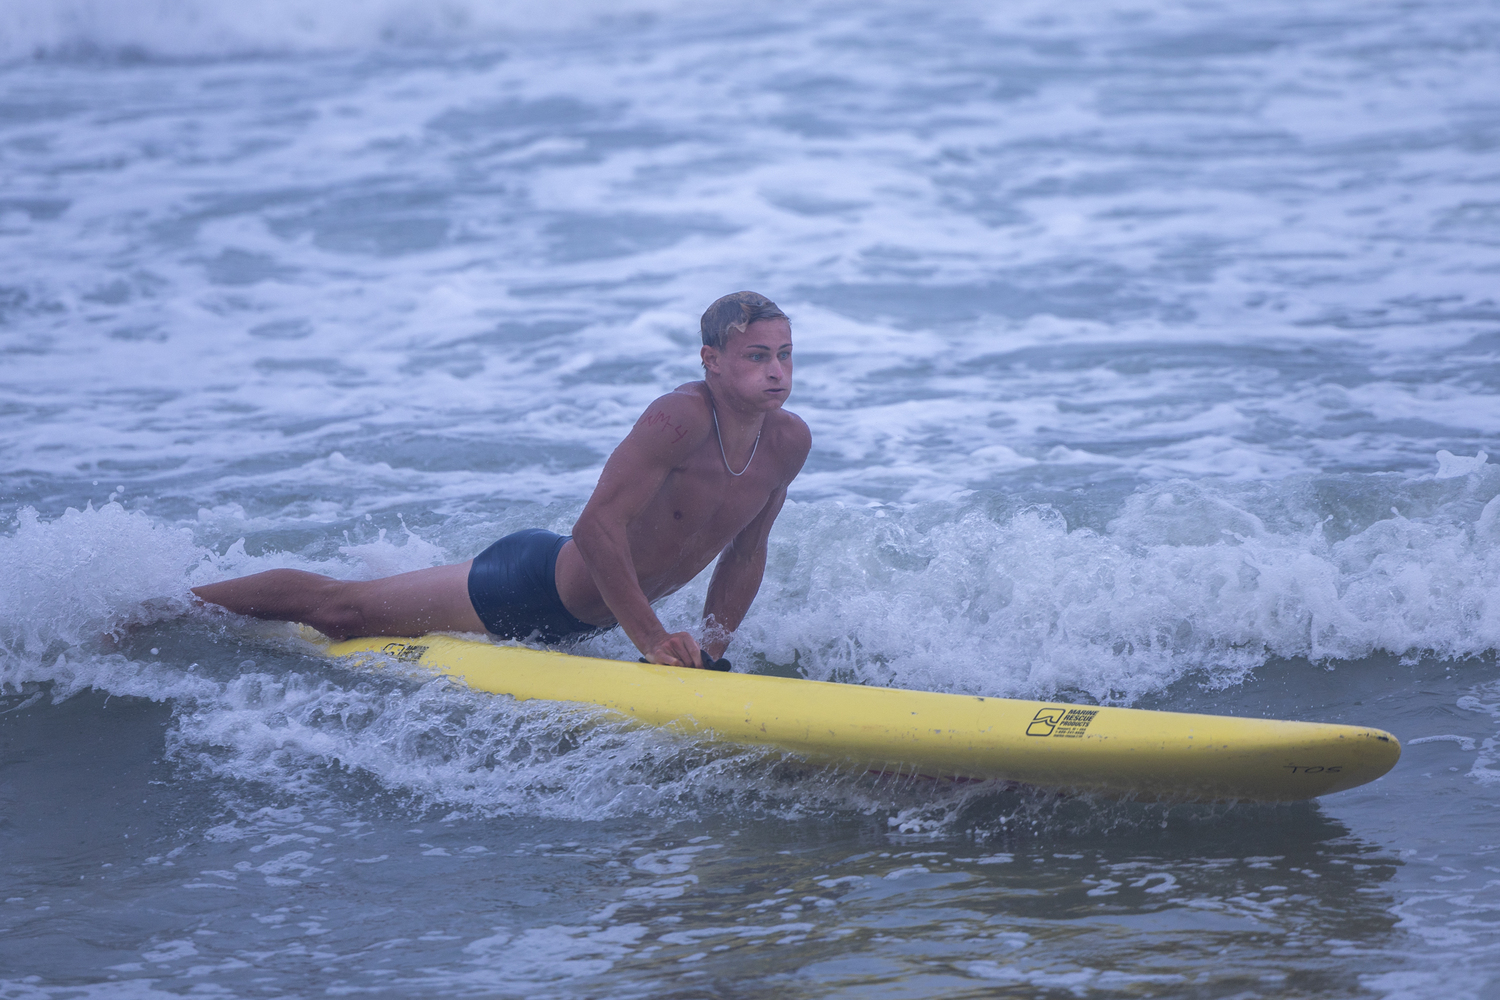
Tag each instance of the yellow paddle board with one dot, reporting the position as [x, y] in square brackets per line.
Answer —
[1085, 748]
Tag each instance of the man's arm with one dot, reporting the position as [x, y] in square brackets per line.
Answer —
[742, 565]
[660, 441]
[737, 577]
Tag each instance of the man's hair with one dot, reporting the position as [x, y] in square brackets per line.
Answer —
[735, 312]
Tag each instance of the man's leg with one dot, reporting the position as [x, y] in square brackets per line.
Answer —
[409, 604]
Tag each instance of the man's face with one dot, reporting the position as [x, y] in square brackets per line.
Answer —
[755, 367]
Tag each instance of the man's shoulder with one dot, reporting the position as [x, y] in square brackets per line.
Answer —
[675, 421]
[789, 427]
[791, 440]
[691, 394]
[688, 399]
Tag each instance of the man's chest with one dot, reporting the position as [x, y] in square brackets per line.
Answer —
[707, 500]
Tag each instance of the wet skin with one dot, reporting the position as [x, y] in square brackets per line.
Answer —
[664, 508]
[666, 505]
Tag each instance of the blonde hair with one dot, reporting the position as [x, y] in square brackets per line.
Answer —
[735, 312]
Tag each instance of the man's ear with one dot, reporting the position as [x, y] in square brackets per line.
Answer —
[710, 358]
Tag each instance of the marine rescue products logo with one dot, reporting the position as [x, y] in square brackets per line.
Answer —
[403, 652]
[1067, 722]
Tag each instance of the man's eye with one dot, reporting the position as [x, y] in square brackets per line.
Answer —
[757, 357]
[785, 354]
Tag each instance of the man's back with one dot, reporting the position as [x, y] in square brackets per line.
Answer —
[703, 473]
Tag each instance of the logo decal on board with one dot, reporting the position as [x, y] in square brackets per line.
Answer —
[1066, 722]
[403, 652]
[1046, 720]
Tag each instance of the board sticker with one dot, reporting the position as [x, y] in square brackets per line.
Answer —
[1066, 722]
[404, 652]
[1045, 721]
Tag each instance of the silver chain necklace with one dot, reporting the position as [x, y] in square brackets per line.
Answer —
[712, 409]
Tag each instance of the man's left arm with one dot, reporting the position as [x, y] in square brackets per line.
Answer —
[737, 577]
[742, 564]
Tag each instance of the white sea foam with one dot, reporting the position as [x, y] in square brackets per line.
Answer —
[87, 573]
[202, 28]
[198, 28]
[440, 748]
[1184, 581]
[1122, 329]
[439, 282]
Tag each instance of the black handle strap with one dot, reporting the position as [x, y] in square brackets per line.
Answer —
[709, 663]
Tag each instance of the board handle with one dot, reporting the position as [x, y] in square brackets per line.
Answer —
[709, 663]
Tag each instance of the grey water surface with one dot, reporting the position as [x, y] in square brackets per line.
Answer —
[1150, 352]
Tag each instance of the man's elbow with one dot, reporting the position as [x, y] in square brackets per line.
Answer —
[746, 555]
[589, 533]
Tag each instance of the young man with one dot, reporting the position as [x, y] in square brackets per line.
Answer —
[703, 473]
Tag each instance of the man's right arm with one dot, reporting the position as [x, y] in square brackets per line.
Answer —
[660, 441]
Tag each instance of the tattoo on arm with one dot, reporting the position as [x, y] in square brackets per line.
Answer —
[664, 420]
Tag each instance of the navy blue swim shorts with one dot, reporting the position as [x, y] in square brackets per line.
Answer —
[513, 585]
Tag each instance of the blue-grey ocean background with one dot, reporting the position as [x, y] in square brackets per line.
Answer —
[1150, 351]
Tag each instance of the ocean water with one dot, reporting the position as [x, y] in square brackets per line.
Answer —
[1151, 353]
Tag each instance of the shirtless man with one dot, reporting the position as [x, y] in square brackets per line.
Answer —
[703, 473]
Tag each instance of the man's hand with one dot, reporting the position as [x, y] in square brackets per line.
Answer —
[679, 649]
